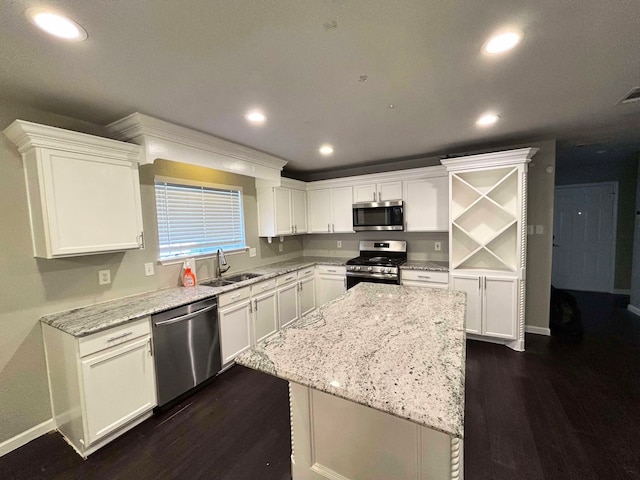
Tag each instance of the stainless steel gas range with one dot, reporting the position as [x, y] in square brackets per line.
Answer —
[379, 262]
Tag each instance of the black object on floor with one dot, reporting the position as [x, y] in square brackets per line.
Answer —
[565, 318]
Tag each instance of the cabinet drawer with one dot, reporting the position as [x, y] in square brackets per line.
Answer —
[289, 277]
[234, 296]
[114, 336]
[263, 286]
[332, 269]
[305, 272]
[425, 276]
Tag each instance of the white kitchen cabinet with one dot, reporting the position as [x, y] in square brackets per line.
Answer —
[307, 290]
[83, 191]
[330, 210]
[235, 329]
[424, 278]
[265, 315]
[426, 204]
[492, 304]
[101, 385]
[282, 210]
[288, 299]
[377, 192]
[331, 282]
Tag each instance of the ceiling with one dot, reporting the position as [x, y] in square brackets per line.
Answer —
[204, 63]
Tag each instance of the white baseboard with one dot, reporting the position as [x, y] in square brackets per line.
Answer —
[25, 437]
[537, 330]
[633, 309]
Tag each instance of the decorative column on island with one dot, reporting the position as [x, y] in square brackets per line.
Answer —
[376, 381]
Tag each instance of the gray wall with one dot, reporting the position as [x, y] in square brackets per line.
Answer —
[32, 287]
[624, 171]
[635, 276]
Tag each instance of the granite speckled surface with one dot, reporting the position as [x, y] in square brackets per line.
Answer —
[400, 350]
[83, 321]
[426, 265]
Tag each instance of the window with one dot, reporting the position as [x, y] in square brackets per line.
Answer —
[198, 218]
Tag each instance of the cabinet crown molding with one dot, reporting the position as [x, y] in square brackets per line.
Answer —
[487, 160]
[27, 136]
[161, 139]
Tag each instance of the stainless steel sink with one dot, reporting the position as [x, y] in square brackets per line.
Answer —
[220, 282]
[241, 277]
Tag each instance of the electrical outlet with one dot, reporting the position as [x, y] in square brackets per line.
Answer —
[530, 229]
[281, 248]
[252, 252]
[437, 246]
[104, 277]
[148, 269]
[339, 243]
[539, 229]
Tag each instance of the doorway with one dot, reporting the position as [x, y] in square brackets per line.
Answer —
[584, 236]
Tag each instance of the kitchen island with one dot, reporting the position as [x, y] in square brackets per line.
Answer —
[376, 384]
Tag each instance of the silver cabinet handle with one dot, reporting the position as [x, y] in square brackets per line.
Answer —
[118, 337]
[479, 284]
[374, 196]
[288, 278]
[426, 277]
[150, 348]
[329, 227]
[333, 228]
[332, 271]
[379, 196]
[255, 305]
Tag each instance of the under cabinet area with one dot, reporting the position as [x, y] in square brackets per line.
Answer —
[101, 385]
[83, 191]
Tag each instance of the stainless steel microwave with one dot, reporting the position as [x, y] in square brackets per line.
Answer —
[378, 216]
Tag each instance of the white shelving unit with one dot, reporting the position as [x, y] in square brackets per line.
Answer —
[487, 241]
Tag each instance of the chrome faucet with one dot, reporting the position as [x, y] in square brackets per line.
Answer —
[219, 260]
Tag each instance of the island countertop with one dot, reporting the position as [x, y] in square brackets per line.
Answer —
[397, 349]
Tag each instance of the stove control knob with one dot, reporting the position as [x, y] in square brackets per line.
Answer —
[357, 269]
[387, 270]
[352, 268]
[370, 269]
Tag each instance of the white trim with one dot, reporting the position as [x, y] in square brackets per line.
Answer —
[412, 173]
[26, 436]
[493, 159]
[633, 309]
[537, 330]
[160, 139]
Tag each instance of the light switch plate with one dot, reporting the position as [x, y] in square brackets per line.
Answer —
[437, 246]
[252, 252]
[281, 248]
[539, 229]
[530, 229]
[148, 269]
[104, 277]
[339, 242]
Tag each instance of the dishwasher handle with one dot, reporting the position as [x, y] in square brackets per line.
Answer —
[182, 318]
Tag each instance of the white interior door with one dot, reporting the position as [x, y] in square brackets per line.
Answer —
[584, 236]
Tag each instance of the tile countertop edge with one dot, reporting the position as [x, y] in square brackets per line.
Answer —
[90, 319]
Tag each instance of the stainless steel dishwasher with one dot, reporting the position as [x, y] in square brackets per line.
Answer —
[187, 348]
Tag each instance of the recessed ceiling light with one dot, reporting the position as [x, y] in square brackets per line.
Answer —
[391, 105]
[256, 117]
[326, 150]
[56, 25]
[502, 42]
[487, 119]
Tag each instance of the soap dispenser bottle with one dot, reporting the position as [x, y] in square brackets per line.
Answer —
[188, 277]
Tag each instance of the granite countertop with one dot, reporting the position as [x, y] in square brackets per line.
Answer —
[400, 350]
[83, 321]
[427, 265]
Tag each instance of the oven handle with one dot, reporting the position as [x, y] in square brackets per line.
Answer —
[182, 318]
[385, 276]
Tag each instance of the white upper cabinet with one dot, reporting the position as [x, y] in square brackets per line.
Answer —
[299, 210]
[330, 210]
[426, 204]
[282, 210]
[377, 192]
[83, 191]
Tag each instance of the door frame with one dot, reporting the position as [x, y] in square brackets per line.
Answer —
[614, 239]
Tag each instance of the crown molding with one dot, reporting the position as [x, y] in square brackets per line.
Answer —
[27, 135]
[494, 159]
[160, 139]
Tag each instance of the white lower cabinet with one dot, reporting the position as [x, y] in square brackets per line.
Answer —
[307, 291]
[424, 278]
[331, 283]
[288, 301]
[101, 385]
[265, 311]
[235, 324]
[492, 303]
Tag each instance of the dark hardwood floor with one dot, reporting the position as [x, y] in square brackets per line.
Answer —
[564, 409]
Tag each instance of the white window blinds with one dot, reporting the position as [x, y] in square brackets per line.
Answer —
[196, 219]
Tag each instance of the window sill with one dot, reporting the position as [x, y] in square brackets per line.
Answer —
[204, 256]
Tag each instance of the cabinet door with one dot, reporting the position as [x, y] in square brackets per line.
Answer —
[390, 191]
[342, 209]
[287, 304]
[307, 294]
[365, 193]
[118, 385]
[500, 306]
[472, 286]
[235, 335]
[329, 287]
[265, 315]
[90, 204]
[426, 204]
[319, 205]
[299, 209]
[282, 197]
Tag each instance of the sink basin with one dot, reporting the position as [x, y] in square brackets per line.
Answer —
[241, 277]
[221, 282]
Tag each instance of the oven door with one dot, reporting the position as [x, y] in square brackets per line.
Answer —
[378, 216]
[352, 281]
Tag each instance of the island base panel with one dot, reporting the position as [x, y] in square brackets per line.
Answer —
[336, 439]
